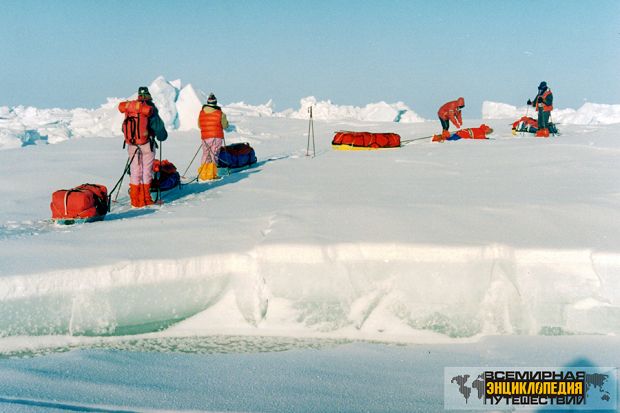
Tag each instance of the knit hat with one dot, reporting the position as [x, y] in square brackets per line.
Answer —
[211, 100]
[143, 92]
[542, 86]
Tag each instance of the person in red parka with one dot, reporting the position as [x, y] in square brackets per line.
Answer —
[450, 112]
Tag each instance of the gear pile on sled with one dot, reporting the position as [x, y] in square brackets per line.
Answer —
[236, 156]
[467, 133]
[527, 124]
[347, 140]
[165, 176]
[84, 203]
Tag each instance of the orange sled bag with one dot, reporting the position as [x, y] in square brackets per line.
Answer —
[347, 140]
[85, 203]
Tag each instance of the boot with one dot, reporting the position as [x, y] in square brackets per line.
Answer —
[146, 194]
[203, 172]
[214, 171]
[137, 201]
[542, 133]
[438, 138]
[445, 134]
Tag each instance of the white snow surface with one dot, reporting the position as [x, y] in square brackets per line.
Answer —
[265, 375]
[179, 105]
[588, 114]
[380, 112]
[427, 243]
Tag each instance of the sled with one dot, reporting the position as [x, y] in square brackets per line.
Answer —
[530, 125]
[165, 175]
[73, 221]
[236, 156]
[82, 204]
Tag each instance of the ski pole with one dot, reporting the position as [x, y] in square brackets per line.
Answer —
[310, 131]
[217, 157]
[120, 181]
[527, 112]
[158, 174]
[192, 161]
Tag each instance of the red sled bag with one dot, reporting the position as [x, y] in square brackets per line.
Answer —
[348, 139]
[85, 203]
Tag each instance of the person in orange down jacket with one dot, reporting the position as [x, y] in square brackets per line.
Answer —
[212, 122]
[450, 112]
[467, 133]
[141, 126]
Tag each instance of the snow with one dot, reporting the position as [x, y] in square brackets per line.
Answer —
[178, 106]
[381, 111]
[188, 104]
[264, 375]
[244, 109]
[588, 114]
[458, 241]
[495, 252]
[164, 96]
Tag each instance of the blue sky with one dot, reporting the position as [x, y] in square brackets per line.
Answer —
[77, 53]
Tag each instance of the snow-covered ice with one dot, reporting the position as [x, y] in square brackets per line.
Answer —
[587, 114]
[477, 249]
[429, 242]
[178, 105]
[264, 375]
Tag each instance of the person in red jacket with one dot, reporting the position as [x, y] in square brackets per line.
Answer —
[450, 112]
[212, 122]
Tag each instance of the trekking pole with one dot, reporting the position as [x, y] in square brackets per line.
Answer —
[120, 181]
[310, 129]
[158, 174]
[550, 122]
[192, 161]
[527, 114]
[217, 158]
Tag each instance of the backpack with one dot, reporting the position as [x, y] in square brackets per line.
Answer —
[136, 123]
[236, 155]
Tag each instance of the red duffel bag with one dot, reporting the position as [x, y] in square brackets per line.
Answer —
[366, 140]
[85, 203]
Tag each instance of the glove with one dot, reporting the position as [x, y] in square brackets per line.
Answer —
[529, 102]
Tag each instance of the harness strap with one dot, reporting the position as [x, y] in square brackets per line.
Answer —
[67, 197]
